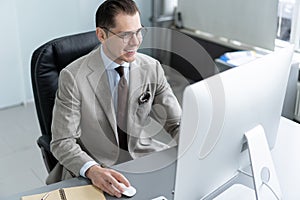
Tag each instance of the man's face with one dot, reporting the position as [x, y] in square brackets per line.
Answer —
[119, 49]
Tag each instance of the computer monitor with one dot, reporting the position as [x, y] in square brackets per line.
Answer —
[218, 111]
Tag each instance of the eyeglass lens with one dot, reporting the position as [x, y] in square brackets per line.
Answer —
[127, 36]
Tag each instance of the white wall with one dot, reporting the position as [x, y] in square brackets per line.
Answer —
[146, 11]
[25, 25]
[11, 83]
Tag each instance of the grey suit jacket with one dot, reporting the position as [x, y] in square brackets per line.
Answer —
[84, 123]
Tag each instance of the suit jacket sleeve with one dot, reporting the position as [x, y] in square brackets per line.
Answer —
[166, 108]
[65, 125]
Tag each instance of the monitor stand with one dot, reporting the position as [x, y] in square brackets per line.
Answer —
[266, 185]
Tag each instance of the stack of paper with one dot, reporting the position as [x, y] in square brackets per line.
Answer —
[239, 57]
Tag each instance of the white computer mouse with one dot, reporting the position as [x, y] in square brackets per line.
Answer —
[128, 191]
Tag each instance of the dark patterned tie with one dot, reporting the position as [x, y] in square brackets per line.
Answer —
[122, 108]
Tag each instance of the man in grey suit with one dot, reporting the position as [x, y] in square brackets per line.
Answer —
[85, 131]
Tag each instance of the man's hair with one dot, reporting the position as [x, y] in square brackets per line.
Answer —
[109, 9]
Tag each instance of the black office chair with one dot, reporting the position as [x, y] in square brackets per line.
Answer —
[46, 63]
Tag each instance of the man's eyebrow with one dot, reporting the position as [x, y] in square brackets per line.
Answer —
[131, 31]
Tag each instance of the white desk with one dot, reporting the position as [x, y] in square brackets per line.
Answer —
[154, 183]
[286, 157]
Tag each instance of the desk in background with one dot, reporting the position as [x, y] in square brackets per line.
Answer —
[154, 183]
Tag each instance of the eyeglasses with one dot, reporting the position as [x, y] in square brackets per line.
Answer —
[127, 36]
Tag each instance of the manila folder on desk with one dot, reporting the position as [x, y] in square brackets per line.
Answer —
[89, 192]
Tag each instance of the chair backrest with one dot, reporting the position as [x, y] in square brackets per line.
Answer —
[46, 63]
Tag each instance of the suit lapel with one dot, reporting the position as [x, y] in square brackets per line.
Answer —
[137, 86]
[99, 82]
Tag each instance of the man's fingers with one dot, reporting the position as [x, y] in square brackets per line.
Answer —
[116, 184]
[108, 180]
[111, 190]
[120, 178]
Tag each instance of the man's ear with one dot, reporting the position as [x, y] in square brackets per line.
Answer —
[101, 35]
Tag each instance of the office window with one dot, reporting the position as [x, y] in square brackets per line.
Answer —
[288, 24]
[284, 19]
[288, 27]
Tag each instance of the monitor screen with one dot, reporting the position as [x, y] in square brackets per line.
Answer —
[218, 111]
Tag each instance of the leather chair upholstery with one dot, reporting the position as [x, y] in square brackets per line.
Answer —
[46, 63]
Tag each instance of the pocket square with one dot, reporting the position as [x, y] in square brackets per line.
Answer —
[144, 98]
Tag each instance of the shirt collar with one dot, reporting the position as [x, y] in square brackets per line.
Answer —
[108, 63]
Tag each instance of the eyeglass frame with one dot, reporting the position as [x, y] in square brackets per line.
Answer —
[142, 30]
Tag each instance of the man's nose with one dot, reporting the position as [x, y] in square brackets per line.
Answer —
[134, 40]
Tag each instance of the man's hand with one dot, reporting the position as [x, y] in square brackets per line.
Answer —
[107, 180]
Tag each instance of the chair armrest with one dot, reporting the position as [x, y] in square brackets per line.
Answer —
[44, 144]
